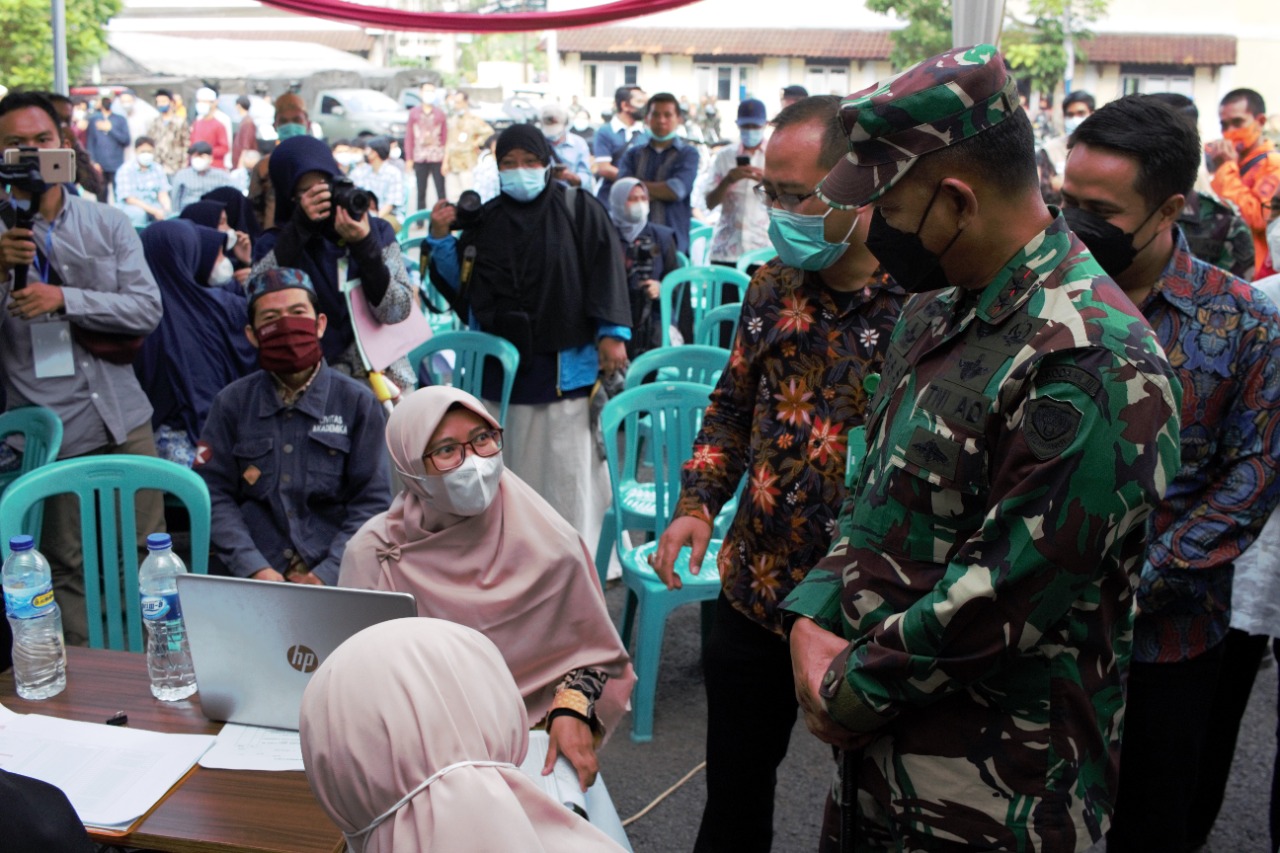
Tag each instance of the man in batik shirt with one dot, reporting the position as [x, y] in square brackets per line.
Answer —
[1131, 165]
[969, 630]
[814, 324]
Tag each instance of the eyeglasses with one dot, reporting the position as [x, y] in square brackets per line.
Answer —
[787, 201]
[450, 456]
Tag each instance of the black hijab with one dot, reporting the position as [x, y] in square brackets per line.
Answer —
[240, 215]
[561, 268]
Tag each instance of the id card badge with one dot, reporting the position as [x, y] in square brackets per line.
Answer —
[51, 349]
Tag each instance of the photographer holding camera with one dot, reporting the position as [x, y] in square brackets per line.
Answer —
[321, 219]
[541, 266]
[76, 299]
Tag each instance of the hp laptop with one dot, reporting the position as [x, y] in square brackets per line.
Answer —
[255, 644]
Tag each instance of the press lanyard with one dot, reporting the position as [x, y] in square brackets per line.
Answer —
[43, 269]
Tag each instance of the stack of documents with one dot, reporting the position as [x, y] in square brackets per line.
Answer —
[113, 775]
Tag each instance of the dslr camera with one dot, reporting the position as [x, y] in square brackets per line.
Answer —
[352, 199]
[467, 208]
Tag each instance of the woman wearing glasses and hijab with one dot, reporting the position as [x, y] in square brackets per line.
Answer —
[474, 544]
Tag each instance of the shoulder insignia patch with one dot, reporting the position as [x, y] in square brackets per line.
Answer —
[934, 453]
[1050, 427]
[1077, 376]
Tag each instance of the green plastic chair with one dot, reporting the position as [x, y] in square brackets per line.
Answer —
[701, 365]
[42, 430]
[470, 350]
[709, 329]
[710, 288]
[700, 243]
[109, 484]
[443, 318]
[410, 220]
[676, 407]
[756, 257]
[682, 260]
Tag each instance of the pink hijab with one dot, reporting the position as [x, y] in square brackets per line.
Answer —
[517, 572]
[404, 700]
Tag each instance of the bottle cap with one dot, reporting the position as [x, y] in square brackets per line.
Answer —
[158, 542]
[21, 543]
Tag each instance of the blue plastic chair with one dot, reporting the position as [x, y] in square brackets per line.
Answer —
[42, 431]
[700, 243]
[410, 220]
[756, 257]
[106, 487]
[710, 287]
[443, 318]
[676, 410]
[701, 365]
[709, 329]
[470, 350]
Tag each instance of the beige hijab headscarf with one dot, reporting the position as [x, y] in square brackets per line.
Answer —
[399, 703]
[517, 572]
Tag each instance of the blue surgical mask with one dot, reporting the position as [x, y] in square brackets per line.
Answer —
[523, 184]
[800, 239]
[670, 136]
[162, 108]
[290, 130]
[751, 136]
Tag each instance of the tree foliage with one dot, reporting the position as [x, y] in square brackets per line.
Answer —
[1033, 44]
[26, 40]
[928, 29]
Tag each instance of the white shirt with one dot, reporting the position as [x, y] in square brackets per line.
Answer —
[744, 219]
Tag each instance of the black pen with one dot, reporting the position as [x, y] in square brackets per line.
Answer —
[120, 719]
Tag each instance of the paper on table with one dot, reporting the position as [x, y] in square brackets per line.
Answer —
[254, 748]
[112, 775]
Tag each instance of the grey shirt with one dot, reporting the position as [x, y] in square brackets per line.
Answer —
[107, 287]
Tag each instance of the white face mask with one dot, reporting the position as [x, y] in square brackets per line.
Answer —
[146, 158]
[201, 164]
[468, 489]
[637, 211]
[222, 272]
[1273, 241]
[202, 108]
[1071, 123]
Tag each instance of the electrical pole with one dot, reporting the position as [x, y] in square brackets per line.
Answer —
[59, 22]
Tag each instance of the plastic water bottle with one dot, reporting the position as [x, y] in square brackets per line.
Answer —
[39, 657]
[168, 654]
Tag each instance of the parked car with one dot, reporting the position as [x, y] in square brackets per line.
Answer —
[356, 113]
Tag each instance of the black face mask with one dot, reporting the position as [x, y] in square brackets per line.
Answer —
[903, 255]
[1111, 247]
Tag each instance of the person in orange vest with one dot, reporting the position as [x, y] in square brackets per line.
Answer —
[1245, 165]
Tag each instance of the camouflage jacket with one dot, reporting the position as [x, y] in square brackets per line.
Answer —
[781, 412]
[1217, 234]
[986, 560]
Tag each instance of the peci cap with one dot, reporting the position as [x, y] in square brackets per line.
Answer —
[277, 278]
[200, 148]
[752, 112]
[795, 92]
[941, 101]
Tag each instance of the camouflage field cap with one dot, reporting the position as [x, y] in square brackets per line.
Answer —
[939, 102]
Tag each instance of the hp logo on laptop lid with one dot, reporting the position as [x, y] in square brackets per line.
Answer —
[302, 658]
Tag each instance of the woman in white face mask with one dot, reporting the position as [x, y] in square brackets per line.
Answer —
[475, 544]
[411, 736]
[649, 253]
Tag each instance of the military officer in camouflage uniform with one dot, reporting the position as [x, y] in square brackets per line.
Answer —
[970, 627]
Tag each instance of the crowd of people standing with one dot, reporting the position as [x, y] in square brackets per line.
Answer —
[1004, 403]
